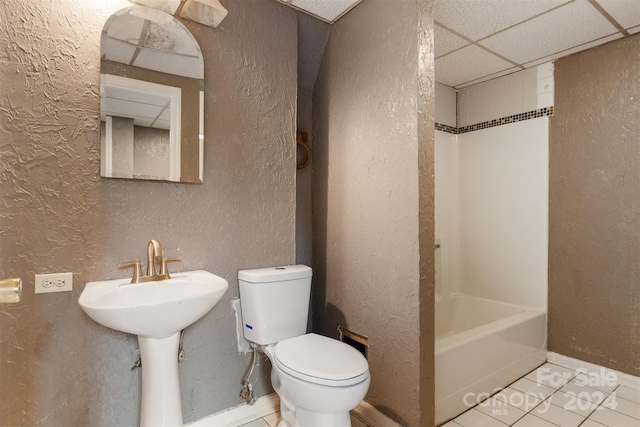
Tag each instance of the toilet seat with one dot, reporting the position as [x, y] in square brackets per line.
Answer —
[321, 360]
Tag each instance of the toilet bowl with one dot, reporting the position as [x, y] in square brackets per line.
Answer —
[319, 380]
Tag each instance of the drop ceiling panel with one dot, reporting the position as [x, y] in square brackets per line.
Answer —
[570, 25]
[516, 34]
[172, 38]
[327, 10]
[137, 31]
[489, 77]
[127, 94]
[127, 28]
[129, 109]
[446, 41]
[626, 12]
[143, 107]
[165, 47]
[117, 50]
[466, 64]
[161, 124]
[479, 18]
[166, 62]
[572, 50]
[145, 122]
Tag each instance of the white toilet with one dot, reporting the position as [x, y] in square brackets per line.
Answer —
[319, 379]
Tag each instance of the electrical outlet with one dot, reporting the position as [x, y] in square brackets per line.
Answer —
[55, 282]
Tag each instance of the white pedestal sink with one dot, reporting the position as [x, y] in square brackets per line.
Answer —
[156, 312]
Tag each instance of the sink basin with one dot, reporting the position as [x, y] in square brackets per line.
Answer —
[153, 309]
[156, 312]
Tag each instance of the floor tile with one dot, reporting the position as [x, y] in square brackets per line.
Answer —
[530, 387]
[474, 418]
[591, 423]
[570, 402]
[567, 373]
[557, 415]
[518, 399]
[613, 419]
[557, 396]
[625, 407]
[606, 385]
[628, 393]
[551, 375]
[256, 423]
[585, 393]
[533, 421]
[501, 411]
[272, 419]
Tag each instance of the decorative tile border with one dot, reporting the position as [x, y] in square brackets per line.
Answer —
[509, 119]
[446, 128]
[548, 111]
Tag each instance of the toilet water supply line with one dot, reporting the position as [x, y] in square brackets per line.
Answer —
[247, 388]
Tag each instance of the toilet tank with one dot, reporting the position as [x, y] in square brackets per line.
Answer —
[274, 302]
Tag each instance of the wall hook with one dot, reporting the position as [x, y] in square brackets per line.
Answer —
[301, 140]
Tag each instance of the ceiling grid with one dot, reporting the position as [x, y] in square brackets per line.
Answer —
[478, 40]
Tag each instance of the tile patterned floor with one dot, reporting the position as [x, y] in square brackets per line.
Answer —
[551, 396]
[272, 420]
[555, 396]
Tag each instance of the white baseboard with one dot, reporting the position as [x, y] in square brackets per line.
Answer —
[241, 414]
[571, 363]
[266, 405]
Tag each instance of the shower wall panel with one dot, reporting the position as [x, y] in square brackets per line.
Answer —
[503, 212]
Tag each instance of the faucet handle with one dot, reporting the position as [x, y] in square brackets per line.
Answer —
[163, 265]
[137, 269]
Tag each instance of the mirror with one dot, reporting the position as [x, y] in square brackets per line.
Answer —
[151, 98]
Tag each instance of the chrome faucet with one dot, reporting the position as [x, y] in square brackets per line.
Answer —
[155, 255]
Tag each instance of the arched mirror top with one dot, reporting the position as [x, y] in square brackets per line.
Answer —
[151, 39]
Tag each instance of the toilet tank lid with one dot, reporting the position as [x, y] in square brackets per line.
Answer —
[275, 274]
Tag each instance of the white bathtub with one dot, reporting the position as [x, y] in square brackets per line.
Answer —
[481, 346]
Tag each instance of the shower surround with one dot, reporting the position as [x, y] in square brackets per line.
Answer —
[491, 263]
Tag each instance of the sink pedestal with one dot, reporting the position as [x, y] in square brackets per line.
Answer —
[156, 311]
[161, 404]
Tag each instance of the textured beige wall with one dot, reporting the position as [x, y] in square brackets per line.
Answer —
[366, 196]
[151, 149]
[312, 37]
[57, 366]
[426, 217]
[594, 207]
[304, 214]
